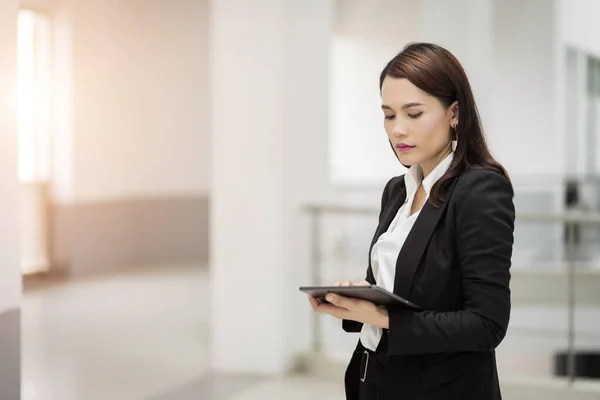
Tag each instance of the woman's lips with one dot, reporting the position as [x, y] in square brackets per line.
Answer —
[403, 147]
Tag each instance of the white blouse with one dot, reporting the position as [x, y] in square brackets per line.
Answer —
[385, 251]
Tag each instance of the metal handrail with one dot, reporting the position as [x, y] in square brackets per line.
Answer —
[569, 218]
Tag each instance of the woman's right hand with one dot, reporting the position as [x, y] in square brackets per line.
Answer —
[350, 283]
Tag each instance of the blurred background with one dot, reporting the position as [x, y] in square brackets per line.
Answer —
[172, 171]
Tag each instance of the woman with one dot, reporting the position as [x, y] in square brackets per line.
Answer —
[444, 241]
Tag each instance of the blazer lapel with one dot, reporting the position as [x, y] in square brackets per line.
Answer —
[416, 243]
[394, 203]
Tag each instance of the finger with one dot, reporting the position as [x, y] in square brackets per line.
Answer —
[333, 311]
[325, 308]
[346, 283]
[340, 301]
[361, 283]
[338, 283]
[317, 303]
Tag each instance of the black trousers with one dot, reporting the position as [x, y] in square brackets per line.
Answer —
[445, 376]
[368, 375]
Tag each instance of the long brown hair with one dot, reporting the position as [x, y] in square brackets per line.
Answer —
[436, 71]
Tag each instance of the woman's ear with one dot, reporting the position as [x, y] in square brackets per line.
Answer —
[453, 110]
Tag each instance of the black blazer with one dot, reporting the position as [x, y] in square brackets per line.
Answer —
[455, 264]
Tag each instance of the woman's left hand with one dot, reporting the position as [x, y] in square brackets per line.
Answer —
[352, 309]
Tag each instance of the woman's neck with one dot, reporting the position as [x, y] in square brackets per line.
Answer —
[428, 166]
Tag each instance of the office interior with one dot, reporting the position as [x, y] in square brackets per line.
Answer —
[173, 170]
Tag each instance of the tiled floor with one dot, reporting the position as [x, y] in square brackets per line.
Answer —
[144, 336]
[243, 388]
[211, 387]
[127, 337]
[294, 388]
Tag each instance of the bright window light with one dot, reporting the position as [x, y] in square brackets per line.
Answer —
[34, 123]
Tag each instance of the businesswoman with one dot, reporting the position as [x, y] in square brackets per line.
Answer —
[444, 241]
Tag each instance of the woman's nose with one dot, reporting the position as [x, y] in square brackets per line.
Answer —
[398, 128]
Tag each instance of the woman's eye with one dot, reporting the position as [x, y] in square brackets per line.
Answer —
[389, 117]
[417, 115]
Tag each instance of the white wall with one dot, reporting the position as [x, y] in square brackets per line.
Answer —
[367, 35]
[38, 5]
[521, 129]
[138, 95]
[10, 286]
[465, 28]
[580, 26]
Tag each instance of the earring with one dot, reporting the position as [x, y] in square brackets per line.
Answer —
[455, 141]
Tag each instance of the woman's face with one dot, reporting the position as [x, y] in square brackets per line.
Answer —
[416, 123]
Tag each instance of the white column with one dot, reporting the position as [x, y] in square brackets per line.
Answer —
[269, 83]
[10, 274]
[466, 28]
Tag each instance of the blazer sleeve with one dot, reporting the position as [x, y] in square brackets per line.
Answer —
[484, 232]
[355, 326]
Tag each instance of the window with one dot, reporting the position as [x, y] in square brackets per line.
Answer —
[34, 123]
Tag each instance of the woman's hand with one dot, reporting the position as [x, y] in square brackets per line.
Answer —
[352, 309]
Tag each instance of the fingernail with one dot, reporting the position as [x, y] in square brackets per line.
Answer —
[330, 297]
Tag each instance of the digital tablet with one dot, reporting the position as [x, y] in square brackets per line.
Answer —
[372, 293]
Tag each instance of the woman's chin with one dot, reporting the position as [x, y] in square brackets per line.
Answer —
[407, 160]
